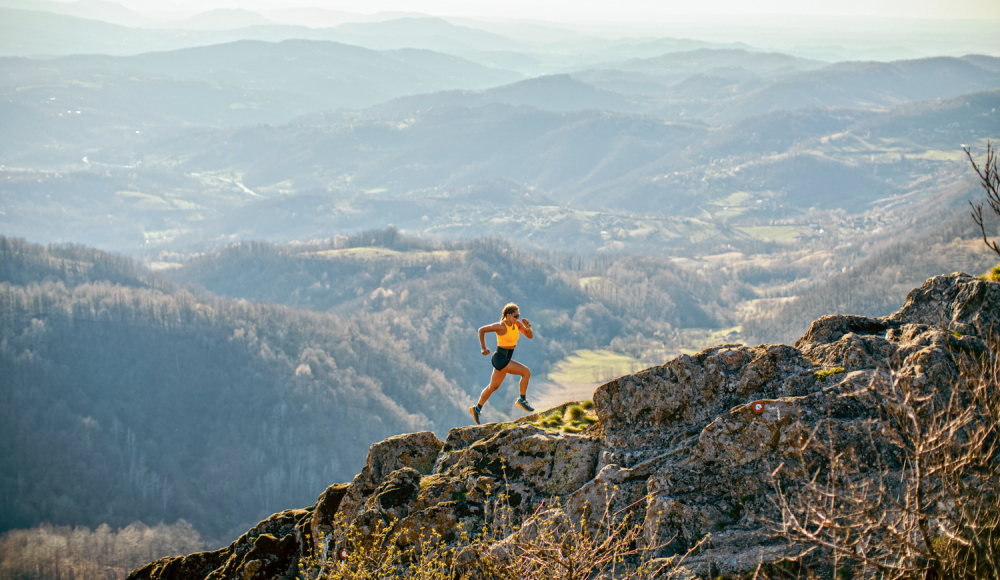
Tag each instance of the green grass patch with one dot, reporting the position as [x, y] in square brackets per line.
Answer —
[993, 275]
[569, 418]
[828, 372]
[734, 199]
[593, 366]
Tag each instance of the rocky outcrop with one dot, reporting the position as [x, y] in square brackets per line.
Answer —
[687, 447]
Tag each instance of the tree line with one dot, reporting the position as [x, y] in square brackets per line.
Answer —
[50, 552]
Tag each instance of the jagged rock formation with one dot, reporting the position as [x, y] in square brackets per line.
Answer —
[689, 444]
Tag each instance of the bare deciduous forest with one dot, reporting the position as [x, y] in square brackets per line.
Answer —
[78, 553]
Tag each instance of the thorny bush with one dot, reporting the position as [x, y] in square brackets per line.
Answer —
[915, 494]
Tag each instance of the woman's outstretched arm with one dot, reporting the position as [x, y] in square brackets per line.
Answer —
[482, 335]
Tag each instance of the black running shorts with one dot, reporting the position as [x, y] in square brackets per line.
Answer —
[502, 357]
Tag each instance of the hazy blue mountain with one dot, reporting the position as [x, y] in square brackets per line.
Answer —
[719, 83]
[110, 12]
[218, 19]
[868, 84]
[60, 123]
[630, 49]
[240, 83]
[341, 74]
[327, 70]
[815, 157]
[987, 62]
[677, 66]
[723, 86]
[430, 33]
[314, 16]
[552, 93]
[444, 147]
[610, 159]
[35, 32]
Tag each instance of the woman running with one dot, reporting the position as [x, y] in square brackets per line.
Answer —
[508, 330]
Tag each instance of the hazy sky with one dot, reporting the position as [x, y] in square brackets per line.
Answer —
[639, 10]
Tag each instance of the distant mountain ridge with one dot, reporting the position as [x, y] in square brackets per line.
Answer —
[550, 92]
[27, 32]
[241, 83]
[218, 19]
[109, 12]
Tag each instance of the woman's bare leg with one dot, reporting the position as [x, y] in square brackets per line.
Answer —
[495, 380]
[516, 368]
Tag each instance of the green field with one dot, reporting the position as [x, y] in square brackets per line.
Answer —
[778, 233]
[593, 366]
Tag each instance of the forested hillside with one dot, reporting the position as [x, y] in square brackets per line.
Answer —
[435, 295]
[148, 401]
[128, 399]
[878, 284]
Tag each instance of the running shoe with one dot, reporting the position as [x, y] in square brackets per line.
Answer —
[475, 413]
[523, 403]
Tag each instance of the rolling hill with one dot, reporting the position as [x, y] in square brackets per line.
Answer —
[242, 83]
[574, 156]
[666, 185]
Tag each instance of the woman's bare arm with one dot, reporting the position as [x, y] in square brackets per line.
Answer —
[524, 325]
[495, 327]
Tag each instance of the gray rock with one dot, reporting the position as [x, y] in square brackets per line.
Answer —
[686, 449]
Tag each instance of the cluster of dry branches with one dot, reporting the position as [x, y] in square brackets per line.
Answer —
[989, 178]
[547, 544]
[915, 493]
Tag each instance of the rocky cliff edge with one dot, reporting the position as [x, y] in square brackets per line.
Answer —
[688, 445]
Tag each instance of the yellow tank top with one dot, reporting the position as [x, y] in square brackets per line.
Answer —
[509, 340]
